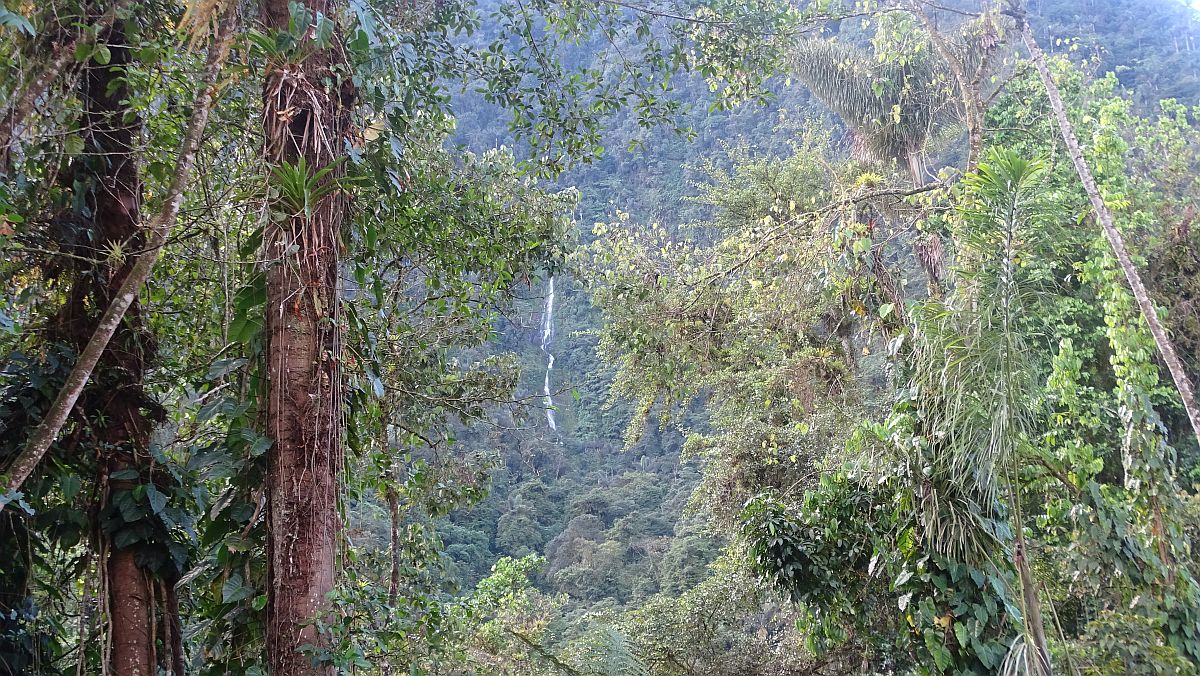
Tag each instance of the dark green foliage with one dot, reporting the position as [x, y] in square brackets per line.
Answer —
[818, 555]
[851, 557]
[737, 296]
[1154, 47]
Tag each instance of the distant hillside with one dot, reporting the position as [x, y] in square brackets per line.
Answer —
[577, 480]
[1152, 45]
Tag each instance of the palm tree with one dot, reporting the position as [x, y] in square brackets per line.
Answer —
[895, 106]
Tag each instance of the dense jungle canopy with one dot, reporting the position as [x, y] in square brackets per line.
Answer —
[660, 337]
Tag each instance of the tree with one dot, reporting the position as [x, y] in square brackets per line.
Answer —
[308, 99]
[899, 96]
[972, 372]
[100, 229]
[1165, 348]
[109, 177]
[46, 432]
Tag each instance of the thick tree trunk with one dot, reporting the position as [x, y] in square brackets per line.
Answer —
[124, 430]
[133, 649]
[305, 117]
[138, 273]
[1165, 348]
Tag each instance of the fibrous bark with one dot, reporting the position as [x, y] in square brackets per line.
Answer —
[306, 120]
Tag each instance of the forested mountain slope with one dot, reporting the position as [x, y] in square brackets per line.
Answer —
[692, 337]
[650, 177]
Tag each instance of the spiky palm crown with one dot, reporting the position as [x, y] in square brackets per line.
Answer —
[971, 356]
[893, 105]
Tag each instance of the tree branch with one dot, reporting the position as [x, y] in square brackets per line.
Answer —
[23, 102]
[1132, 276]
[160, 228]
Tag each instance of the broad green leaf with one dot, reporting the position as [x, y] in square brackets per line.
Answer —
[158, 501]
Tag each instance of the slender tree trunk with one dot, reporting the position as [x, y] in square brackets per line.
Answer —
[24, 100]
[393, 500]
[305, 117]
[1162, 541]
[139, 272]
[174, 629]
[1038, 660]
[1165, 348]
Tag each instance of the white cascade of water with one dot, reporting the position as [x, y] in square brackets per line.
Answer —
[547, 337]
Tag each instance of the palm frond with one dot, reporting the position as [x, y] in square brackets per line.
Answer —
[971, 362]
[895, 107]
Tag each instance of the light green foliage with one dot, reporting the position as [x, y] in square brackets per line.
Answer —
[513, 620]
[755, 321]
[853, 424]
[719, 626]
[970, 362]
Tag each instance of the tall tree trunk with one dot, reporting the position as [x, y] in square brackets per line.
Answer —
[133, 615]
[306, 117]
[1165, 348]
[118, 400]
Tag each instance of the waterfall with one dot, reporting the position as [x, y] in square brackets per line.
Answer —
[547, 336]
